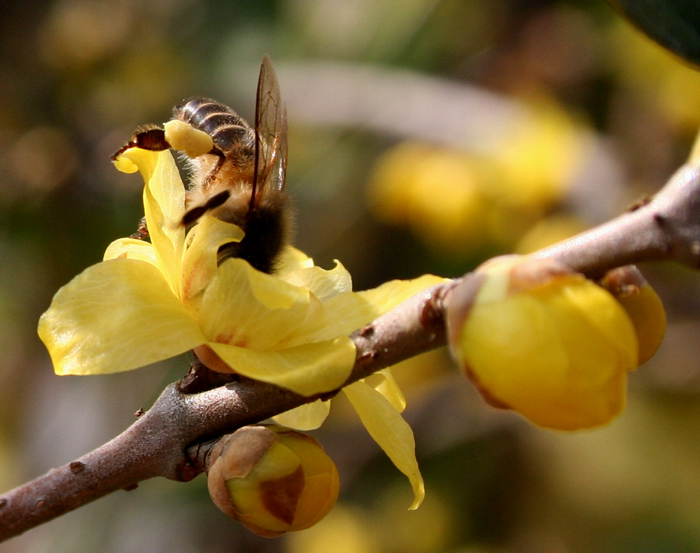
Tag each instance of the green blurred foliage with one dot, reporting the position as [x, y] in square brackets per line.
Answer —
[468, 81]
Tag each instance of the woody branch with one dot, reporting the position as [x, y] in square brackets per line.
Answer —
[171, 439]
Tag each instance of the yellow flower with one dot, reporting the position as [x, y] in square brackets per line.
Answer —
[151, 301]
[542, 340]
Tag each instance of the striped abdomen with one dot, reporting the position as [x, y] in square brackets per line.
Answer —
[228, 130]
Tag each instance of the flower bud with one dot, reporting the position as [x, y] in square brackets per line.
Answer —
[642, 304]
[272, 479]
[538, 338]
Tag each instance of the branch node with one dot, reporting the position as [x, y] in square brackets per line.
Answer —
[188, 472]
[76, 467]
[367, 357]
[660, 219]
[432, 312]
[198, 458]
[641, 202]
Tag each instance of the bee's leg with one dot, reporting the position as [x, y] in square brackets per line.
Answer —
[141, 231]
[191, 215]
[215, 171]
[147, 137]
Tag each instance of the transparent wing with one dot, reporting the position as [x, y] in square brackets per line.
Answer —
[270, 134]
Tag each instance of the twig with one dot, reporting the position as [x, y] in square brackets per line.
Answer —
[666, 227]
[170, 439]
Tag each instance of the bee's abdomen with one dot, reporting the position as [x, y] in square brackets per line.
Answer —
[219, 121]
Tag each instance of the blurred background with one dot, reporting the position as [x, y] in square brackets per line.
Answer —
[425, 136]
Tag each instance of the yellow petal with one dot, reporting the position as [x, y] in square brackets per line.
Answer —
[388, 428]
[350, 311]
[164, 205]
[648, 317]
[307, 370]
[200, 262]
[383, 381]
[125, 165]
[598, 310]
[642, 304]
[247, 308]
[390, 294]
[116, 316]
[292, 259]
[129, 248]
[322, 283]
[307, 417]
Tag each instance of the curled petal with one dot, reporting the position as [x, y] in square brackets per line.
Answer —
[307, 417]
[124, 164]
[388, 428]
[116, 316]
[390, 294]
[322, 283]
[247, 308]
[292, 259]
[129, 248]
[307, 370]
[200, 261]
[383, 381]
[164, 203]
[642, 304]
[350, 311]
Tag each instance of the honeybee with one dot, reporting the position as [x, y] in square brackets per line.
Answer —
[241, 179]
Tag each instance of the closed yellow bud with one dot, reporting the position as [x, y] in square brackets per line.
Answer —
[272, 479]
[642, 304]
[538, 338]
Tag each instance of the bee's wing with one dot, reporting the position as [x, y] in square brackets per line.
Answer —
[270, 134]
